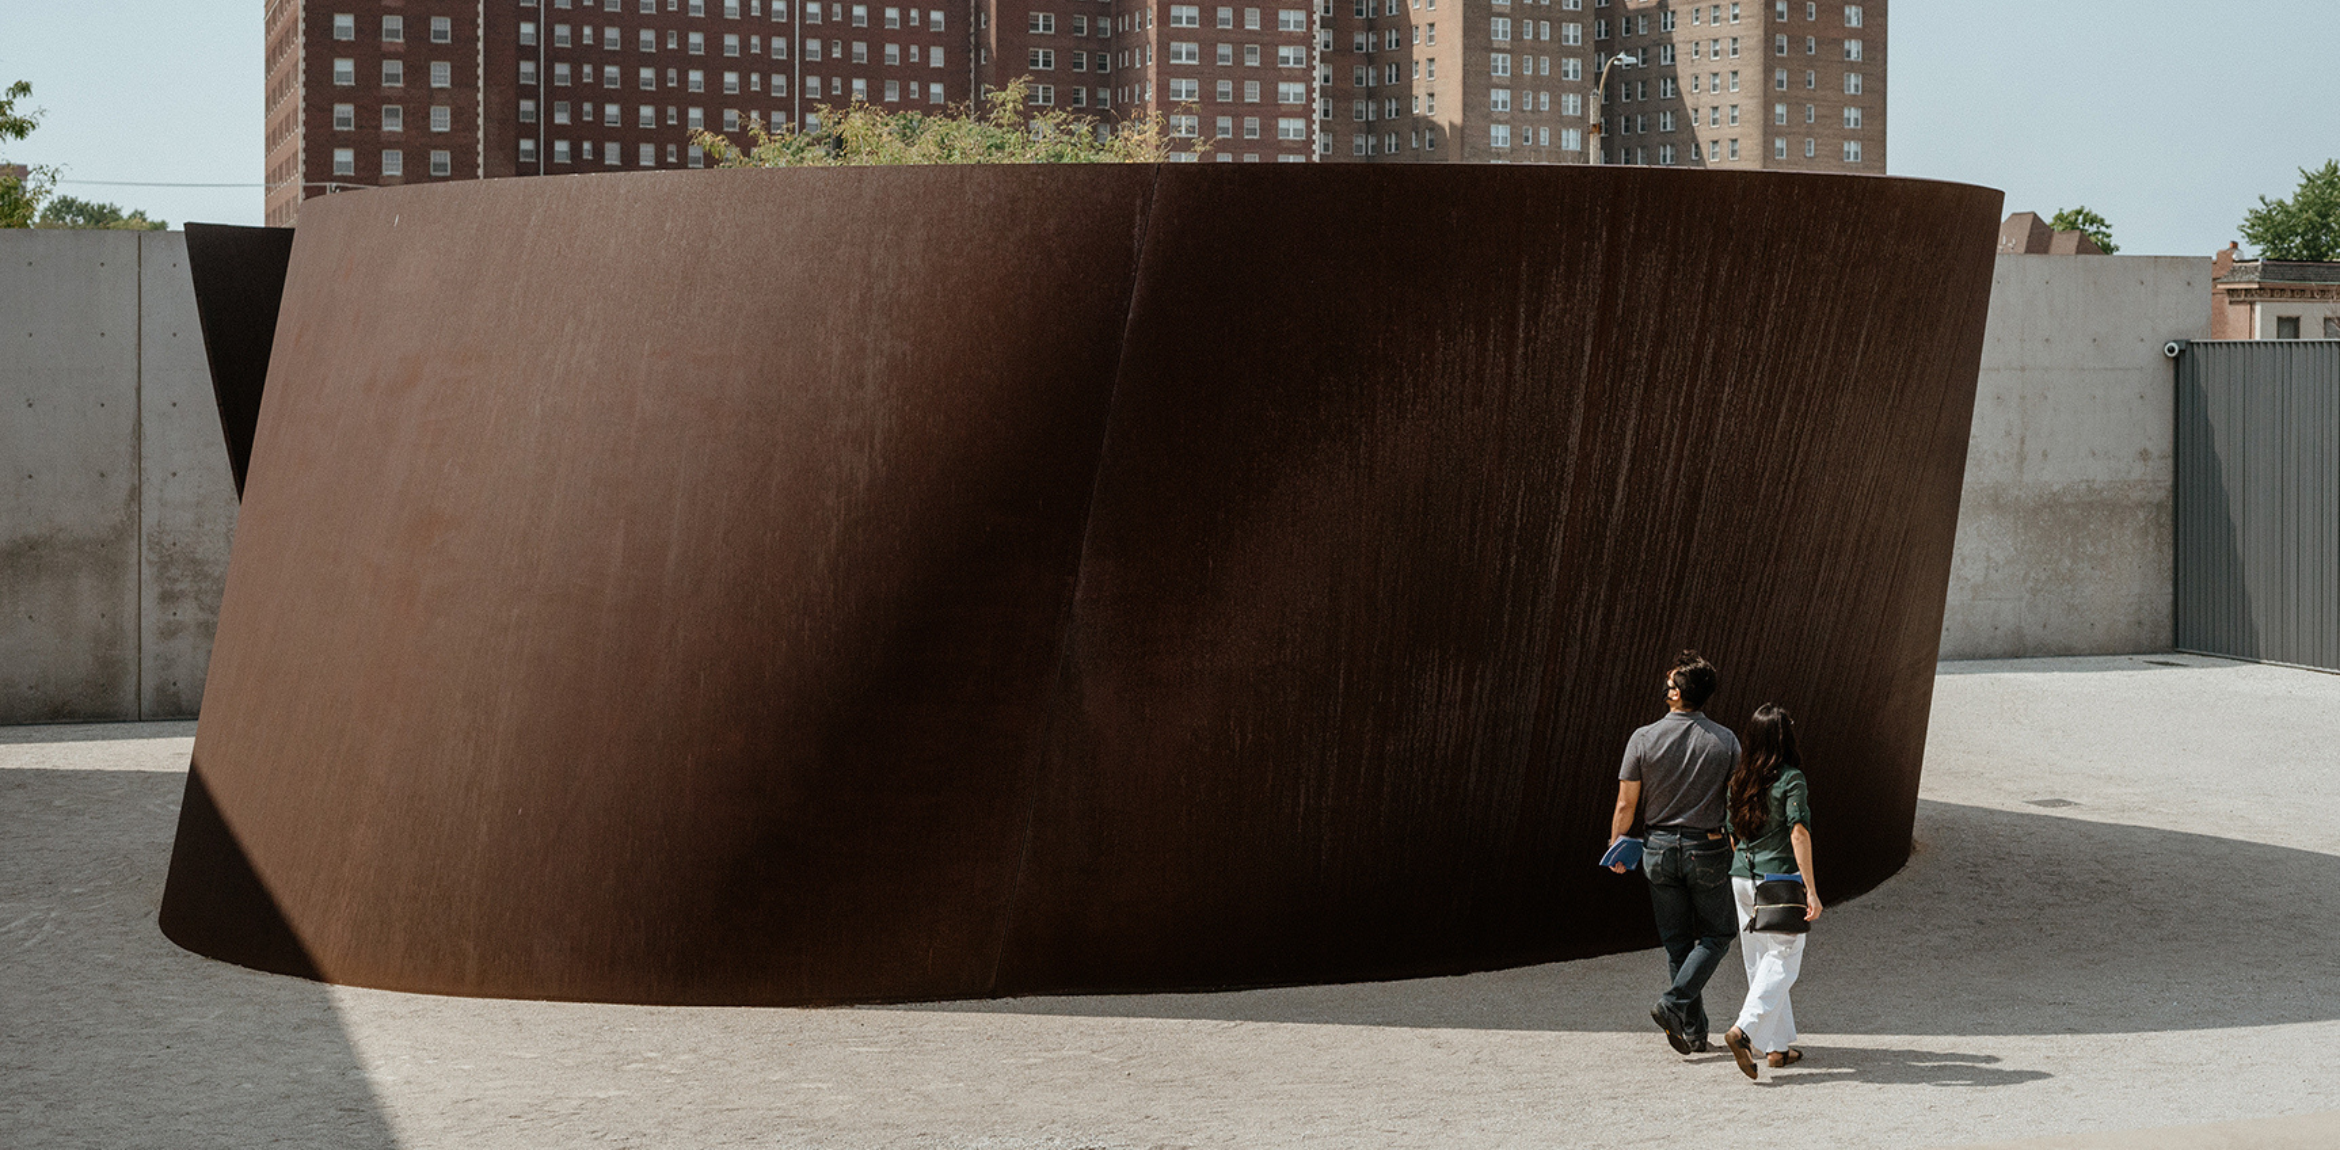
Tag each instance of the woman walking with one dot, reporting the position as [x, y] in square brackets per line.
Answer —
[1770, 821]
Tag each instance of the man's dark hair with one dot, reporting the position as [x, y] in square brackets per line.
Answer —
[1695, 678]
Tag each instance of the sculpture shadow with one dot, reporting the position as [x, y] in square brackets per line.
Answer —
[2003, 923]
[114, 1036]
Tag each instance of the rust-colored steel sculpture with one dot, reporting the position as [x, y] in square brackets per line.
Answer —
[1000, 580]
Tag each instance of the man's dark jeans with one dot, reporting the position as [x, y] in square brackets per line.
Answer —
[1690, 889]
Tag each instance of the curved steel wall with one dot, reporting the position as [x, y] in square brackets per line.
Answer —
[865, 584]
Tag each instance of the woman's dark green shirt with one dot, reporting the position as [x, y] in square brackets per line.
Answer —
[1773, 851]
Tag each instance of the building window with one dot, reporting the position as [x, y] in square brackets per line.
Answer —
[1291, 20]
[1185, 16]
[1185, 127]
[1852, 151]
[560, 155]
[345, 117]
[1852, 117]
[1291, 127]
[344, 26]
[1499, 28]
[393, 164]
[443, 74]
[527, 153]
[393, 118]
[1291, 93]
[731, 83]
[442, 30]
[1291, 56]
[528, 34]
[394, 29]
[1779, 147]
[1498, 135]
[527, 111]
[1499, 63]
[1811, 148]
[442, 118]
[1852, 15]
[1852, 83]
[648, 78]
[1251, 19]
[1251, 91]
[1498, 99]
[1044, 59]
[1852, 49]
[345, 161]
[393, 73]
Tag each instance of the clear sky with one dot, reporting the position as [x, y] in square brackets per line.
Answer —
[2170, 117]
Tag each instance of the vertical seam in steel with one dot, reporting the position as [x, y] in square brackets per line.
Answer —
[1052, 696]
[138, 471]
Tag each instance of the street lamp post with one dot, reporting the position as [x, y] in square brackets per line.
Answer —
[1600, 100]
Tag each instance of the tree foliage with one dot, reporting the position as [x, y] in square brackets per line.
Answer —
[2304, 227]
[1002, 129]
[2081, 219]
[21, 194]
[68, 212]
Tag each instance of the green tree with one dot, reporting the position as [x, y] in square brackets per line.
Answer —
[68, 212]
[2088, 223]
[2304, 227]
[22, 187]
[1004, 130]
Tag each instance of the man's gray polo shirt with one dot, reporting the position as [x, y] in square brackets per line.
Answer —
[1683, 762]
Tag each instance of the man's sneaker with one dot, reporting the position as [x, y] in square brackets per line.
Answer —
[1672, 1026]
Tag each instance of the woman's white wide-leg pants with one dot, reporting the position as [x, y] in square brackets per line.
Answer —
[1768, 1019]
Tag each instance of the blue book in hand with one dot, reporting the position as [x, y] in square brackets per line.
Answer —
[1626, 850]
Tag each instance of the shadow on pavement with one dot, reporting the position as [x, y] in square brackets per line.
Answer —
[2002, 924]
[1825, 1064]
[109, 1035]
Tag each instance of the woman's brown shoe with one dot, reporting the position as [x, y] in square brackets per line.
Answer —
[1736, 1039]
[1779, 1058]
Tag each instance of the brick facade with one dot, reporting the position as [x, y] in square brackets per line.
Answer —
[490, 88]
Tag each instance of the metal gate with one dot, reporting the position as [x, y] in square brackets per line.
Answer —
[2258, 500]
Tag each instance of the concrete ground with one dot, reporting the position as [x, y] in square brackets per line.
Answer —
[2124, 913]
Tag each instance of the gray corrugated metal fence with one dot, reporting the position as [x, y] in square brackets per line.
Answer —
[2258, 500]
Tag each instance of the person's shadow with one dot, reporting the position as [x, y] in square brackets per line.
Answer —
[1825, 1064]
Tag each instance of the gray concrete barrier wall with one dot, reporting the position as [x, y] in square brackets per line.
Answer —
[118, 507]
[2065, 529]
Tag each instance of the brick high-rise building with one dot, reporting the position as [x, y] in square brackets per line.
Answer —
[365, 93]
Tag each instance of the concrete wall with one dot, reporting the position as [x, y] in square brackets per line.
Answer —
[118, 506]
[2064, 535]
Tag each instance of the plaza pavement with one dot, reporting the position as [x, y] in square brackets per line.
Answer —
[2123, 913]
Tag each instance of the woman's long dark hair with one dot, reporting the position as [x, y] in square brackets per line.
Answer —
[1767, 746]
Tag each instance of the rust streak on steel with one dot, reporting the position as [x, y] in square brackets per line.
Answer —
[1005, 580]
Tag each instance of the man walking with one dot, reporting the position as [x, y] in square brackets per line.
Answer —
[1674, 774]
